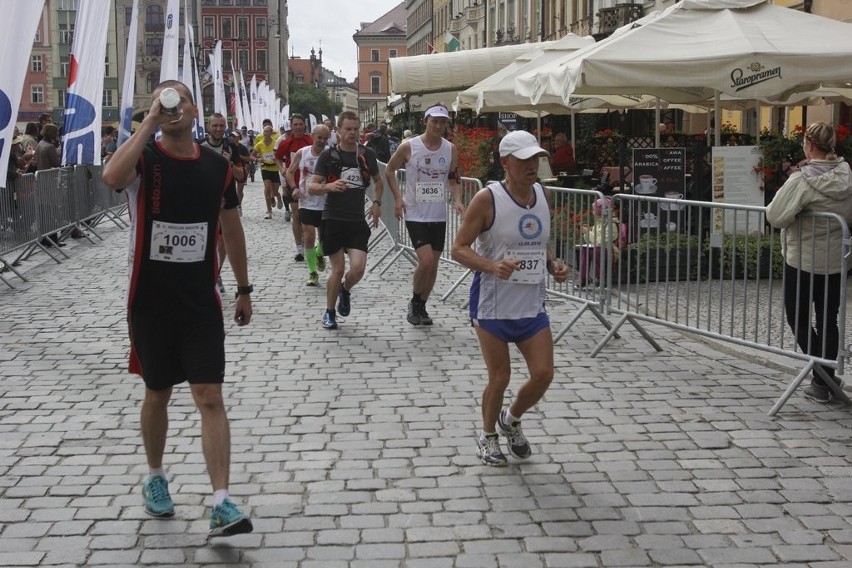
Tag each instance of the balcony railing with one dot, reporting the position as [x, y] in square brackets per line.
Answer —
[455, 25]
[506, 37]
[610, 19]
[473, 13]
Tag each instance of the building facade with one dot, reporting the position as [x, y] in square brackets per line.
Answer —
[378, 42]
[419, 40]
[38, 87]
[254, 36]
[46, 82]
[307, 71]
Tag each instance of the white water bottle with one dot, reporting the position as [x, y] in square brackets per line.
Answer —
[169, 101]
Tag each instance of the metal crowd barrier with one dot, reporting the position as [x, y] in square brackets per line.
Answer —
[395, 228]
[38, 211]
[718, 270]
[391, 227]
[580, 237]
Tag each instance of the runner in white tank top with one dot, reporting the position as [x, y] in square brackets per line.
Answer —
[310, 206]
[431, 173]
[510, 222]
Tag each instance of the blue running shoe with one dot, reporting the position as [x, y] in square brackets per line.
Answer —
[227, 520]
[158, 502]
[328, 320]
[344, 304]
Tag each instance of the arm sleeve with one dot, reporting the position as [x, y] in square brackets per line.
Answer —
[786, 204]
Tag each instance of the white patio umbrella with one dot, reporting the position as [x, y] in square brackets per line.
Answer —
[496, 93]
[698, 49]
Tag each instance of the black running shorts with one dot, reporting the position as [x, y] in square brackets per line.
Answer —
[422, 234]
[338, 235]
[310, 217]
[169, 352]
[274, 177]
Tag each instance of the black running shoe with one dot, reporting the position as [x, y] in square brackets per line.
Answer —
[344, 302]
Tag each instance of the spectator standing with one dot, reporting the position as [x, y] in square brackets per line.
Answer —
[47, 154]
[30, 137]
[812, 276]
[380, 143]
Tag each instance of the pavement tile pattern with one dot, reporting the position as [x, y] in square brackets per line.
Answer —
[355, 447]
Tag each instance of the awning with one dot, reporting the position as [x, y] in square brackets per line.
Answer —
[452, 72]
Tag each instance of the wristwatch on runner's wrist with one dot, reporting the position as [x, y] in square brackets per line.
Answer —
[244, 290]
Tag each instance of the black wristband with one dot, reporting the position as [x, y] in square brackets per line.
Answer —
[244, 290]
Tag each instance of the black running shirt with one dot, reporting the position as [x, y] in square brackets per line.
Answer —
[174, 207]
[347, 205]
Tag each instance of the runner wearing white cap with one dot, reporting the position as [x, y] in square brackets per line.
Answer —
[431, 167]
[510, 222]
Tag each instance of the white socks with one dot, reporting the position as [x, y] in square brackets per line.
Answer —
[218, 496]
[152, 472]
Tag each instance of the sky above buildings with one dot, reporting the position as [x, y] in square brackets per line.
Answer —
[331, 23]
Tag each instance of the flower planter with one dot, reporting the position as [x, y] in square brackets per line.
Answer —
[661, 265]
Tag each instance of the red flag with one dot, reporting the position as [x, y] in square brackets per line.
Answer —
[430, 48]
[232, 108]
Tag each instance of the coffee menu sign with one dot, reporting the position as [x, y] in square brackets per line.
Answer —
[665, 166]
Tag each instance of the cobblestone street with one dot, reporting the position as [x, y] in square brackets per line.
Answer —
[355, 447]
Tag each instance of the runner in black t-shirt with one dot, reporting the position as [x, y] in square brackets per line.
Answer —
[178, 195]
[343, 172]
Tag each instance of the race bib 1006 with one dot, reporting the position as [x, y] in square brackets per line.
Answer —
[429, 192]
[178, 242]
[531, 266]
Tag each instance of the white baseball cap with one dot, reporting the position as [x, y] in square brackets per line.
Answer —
[520, 144]
[439, 111]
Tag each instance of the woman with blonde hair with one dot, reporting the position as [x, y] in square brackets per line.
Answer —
[814, 249]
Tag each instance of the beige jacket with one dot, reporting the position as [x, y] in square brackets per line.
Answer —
[820, 185]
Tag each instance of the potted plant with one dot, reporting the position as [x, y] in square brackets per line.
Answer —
[777, 153]
[661, 257]
[747, 256]
[566, 221]
[475, 146]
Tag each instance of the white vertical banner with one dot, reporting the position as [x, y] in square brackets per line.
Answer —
[81, 143]
[128, 87]
[239, 119]
[255, 104]
[185, 70]
[262, 91]
[249, 120]
[272, 106]
[196, 82]
[220, 104]
[171, 46]
[313, 121]
[20, 20]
